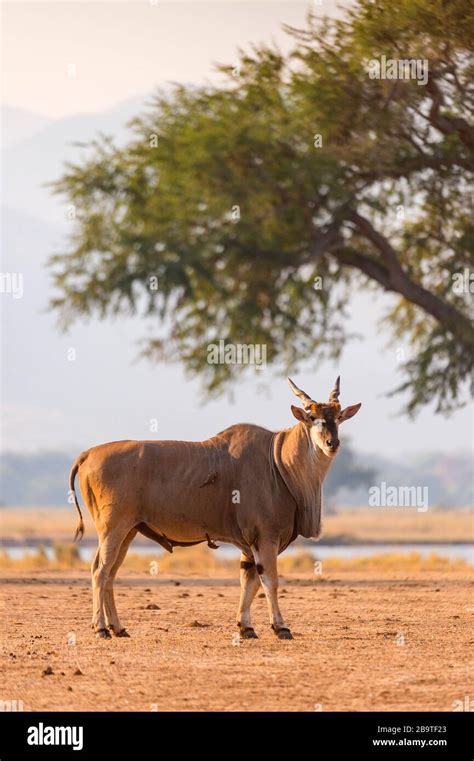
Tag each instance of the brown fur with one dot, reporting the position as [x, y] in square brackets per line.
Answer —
[156, 487]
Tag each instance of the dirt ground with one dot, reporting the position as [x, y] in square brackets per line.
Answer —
[361, 642]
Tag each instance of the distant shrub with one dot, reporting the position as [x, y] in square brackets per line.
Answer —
[40, 558]
[301, 562]
[395, 562]
[66, 554]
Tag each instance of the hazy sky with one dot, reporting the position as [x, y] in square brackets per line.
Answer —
[122, 49]
[119, 51]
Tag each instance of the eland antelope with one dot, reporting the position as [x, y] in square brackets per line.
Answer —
[247, 486]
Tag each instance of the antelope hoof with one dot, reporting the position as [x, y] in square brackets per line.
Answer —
[103, 634]
[248, 632]
[122, 633]
[282, 633]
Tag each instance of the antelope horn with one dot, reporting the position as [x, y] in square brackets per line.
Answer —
[301, 394]
[334, 395]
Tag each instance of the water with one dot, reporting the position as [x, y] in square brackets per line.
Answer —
[320, 551]
[451, 551]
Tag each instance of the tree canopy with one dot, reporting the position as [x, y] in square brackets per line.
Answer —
[260, 204]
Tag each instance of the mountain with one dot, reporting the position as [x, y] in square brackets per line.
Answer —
[19, 124]
[46, 393]
[39, 156]
[40, 479]
[447, 477]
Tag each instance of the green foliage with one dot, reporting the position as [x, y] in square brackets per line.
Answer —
[165, 210]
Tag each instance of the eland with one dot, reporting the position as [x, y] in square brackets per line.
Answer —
[247, 486]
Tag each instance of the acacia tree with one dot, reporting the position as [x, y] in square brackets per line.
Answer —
[237, 197]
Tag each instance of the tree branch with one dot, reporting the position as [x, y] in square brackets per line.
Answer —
[394, 278]
[418, 164]
[353, 258]
[447, 124]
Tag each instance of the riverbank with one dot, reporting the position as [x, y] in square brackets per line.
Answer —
[37, 525]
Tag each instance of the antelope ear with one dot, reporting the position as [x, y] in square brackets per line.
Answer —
[300, 415]
[349, 412]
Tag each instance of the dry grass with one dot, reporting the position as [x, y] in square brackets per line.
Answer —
[33, 522]
[401, 524]
[361, 525]
[64, 556]
[201, 561]
[394, 562]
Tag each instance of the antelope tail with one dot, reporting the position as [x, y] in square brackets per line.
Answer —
[80, 526]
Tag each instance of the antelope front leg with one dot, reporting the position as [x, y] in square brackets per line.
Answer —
[248, 589]
[266, 561]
